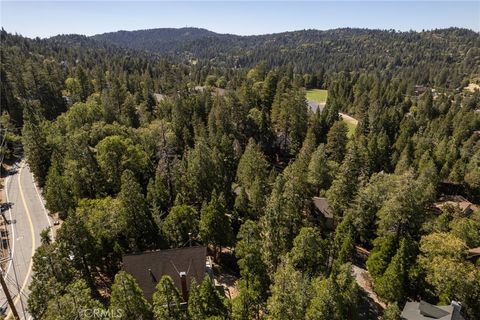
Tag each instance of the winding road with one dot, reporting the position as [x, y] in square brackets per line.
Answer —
[27, 217]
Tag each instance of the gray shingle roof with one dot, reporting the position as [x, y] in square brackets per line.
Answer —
[148, 267]
[321, 204]
[425, 311]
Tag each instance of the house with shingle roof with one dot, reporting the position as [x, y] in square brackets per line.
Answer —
[181, 264]
[425, 311]
[322, 213]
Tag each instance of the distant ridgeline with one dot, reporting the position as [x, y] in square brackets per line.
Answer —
[422, 55]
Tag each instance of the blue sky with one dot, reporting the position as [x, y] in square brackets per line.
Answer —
[44, 19]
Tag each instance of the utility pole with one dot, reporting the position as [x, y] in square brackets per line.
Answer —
[9, 297]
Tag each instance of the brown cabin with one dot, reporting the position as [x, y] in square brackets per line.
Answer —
[182, 265]
[321, 212]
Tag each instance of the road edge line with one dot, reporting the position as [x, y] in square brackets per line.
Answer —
[30, 222]
[43, 205]
[12, 245]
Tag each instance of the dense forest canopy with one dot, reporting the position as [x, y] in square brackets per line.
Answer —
[144, 139]
[421, 56]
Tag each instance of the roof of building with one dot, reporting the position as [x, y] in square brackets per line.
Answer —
[322, 205]
[216, 91]
[425, 311]
[159, 97]
[455, 201]
[474, 252]
[148, 267]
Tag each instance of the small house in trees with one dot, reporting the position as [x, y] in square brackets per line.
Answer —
[181, 264]
[419, 89]
[474, 254]
[425, 311]
[463, 205]
[322, 212]
[216, 91]
[159, 97]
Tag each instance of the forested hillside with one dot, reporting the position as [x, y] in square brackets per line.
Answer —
[136, 150]
[425, 57]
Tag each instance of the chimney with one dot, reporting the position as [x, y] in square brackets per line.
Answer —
[152, 276]
[456, 305]
[183, 280]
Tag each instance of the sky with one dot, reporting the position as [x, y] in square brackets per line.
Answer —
[45, 19]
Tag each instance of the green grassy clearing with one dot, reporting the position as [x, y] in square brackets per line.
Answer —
[317, 95]
[351, 128]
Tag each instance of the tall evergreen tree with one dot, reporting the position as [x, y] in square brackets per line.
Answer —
[166, 301]
[337, 139]
[127, 300]
[35, 143]
[214, 226]
[75, 303]
[205, 302]
[290, 294]
[140, 230]
[393, 284]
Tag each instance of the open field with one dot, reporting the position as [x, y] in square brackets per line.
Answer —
[317, 95]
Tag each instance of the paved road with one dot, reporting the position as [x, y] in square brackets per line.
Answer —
[347, 118]
[28, 217]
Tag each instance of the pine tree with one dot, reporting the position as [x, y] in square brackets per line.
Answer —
[205, 301]
[77, 242]
[324, 302]
[166, 301]
[392, 285]
[252, 176]
[140, 229]
[85, 86]
[214, 226]
[402, 214]
[319, 170]
[127, 300]
[273, 228]
[255, 281]
[383, 250]
[337, 139]
[336, 297]
[309, 252]
[52, 271]
[289, 116]
[181, 221]
[35, 143]
[57, 193]
[75, 303]
[345, 186]
[201, 175]
[128, 112]
[290, 294]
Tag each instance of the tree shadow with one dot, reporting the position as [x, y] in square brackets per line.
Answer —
[367, 308]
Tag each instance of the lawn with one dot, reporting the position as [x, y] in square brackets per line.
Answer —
[317, 95]
[351, 128]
